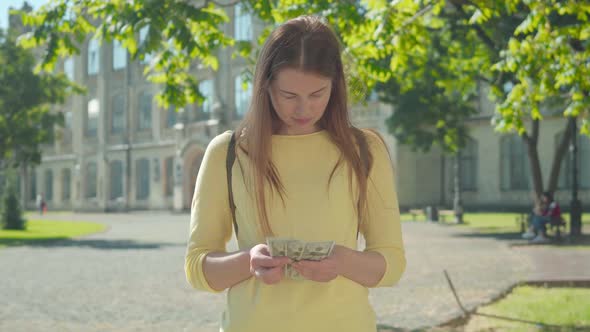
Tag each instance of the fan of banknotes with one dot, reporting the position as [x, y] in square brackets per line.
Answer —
[298, 250]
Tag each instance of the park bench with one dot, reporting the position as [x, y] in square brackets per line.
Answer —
[555, 225]
[417, 212]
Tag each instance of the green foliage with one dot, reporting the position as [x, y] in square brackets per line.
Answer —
[447, 48]
[11, 213]
[26, 120]
[178, 32]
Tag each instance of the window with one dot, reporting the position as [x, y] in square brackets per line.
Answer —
[69, 68]
[118, 115]
[468, 165]
[242, 23]
[68, 120]
[92, 115]
[116, 178]
[142, 183]
[119, 56]
[91, 176]
[171, 116]
[565, 172]
[143, 34]
[66, 183]
[169, 189]
[242, 96]
[67, 130]
[93, 57]
[145, 111]
[48, 185]
[203, 110]
[515, 171]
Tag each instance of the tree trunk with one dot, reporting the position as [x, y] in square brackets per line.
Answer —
[560, 153]
[535, 164]
[457, 204]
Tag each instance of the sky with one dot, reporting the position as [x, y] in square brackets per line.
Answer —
[5, 4]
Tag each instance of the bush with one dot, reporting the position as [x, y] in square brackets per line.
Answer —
[11, 215]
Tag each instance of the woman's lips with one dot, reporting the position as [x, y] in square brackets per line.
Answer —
[302, 121]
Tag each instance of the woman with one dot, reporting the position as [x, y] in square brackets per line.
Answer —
[541, 216]
[298, 174]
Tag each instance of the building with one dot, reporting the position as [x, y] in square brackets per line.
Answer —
[119, 151]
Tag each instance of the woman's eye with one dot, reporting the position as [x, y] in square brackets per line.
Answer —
[316, 96]
[289, 97]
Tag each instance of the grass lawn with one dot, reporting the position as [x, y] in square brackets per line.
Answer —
[45, 230]
[566, 307]
[492, 222]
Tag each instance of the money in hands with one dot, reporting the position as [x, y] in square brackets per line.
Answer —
[298, 250]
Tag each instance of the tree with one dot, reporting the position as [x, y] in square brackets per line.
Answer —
[533, 54]
[26, 120]
[10, 209]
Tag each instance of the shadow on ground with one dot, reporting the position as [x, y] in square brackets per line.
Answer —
[122, 244]
[515, 239]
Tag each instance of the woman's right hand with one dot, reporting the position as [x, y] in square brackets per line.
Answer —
[266, 268]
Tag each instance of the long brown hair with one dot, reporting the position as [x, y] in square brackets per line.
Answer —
[304, 43]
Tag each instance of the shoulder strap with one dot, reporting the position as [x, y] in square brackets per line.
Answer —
[229, 163]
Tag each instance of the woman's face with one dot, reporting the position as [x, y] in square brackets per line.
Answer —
[300, 100]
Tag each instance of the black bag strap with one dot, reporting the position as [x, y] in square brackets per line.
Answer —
[229, 163]
[231, 157]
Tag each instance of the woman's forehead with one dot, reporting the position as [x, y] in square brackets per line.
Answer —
[294, 80]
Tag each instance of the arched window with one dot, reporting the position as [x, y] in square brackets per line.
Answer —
[118, 114]
[242, 23]
[91, 179]
[92, 115]
[145, 111]
[66, 183]
[116, 178]
[48, 185]
[468, 166]
[142, 181]
[93, 57]
[515, 169]
[119, 56]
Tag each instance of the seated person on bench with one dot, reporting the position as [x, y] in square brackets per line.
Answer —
[542, 216]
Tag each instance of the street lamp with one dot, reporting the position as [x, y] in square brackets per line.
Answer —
[575, 205]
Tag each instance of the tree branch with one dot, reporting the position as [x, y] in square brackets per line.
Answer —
[480, 32]
[535, 137]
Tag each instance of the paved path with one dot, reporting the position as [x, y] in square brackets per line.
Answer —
[131, 278]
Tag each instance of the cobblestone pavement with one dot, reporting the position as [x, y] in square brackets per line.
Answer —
[131, 278]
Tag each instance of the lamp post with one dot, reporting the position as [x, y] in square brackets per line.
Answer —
[575, 205]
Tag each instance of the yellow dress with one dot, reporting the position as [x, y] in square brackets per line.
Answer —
[312, 211]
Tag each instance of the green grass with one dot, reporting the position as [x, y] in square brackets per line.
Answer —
[492, 222]
[45, 230]
[566, 307]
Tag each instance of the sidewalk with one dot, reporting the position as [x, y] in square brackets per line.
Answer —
[131, 278]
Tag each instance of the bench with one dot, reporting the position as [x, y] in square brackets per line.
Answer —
[417, 212]
[555, 225]
[442, 214]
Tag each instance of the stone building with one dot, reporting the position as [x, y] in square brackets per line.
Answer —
[119, 151]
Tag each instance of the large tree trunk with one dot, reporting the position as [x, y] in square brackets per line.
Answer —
[560, 153]
[535, 164]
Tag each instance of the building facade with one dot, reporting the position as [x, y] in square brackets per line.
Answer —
[120, 151]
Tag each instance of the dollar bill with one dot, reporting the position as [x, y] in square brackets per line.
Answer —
[298, 250]
[277, 246]
[316, 251]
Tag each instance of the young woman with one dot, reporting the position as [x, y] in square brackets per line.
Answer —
[298, 174]
[541, 216]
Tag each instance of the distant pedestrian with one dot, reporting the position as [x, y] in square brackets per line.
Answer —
[39, 203]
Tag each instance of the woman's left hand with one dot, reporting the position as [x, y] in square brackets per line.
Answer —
[322, 271]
